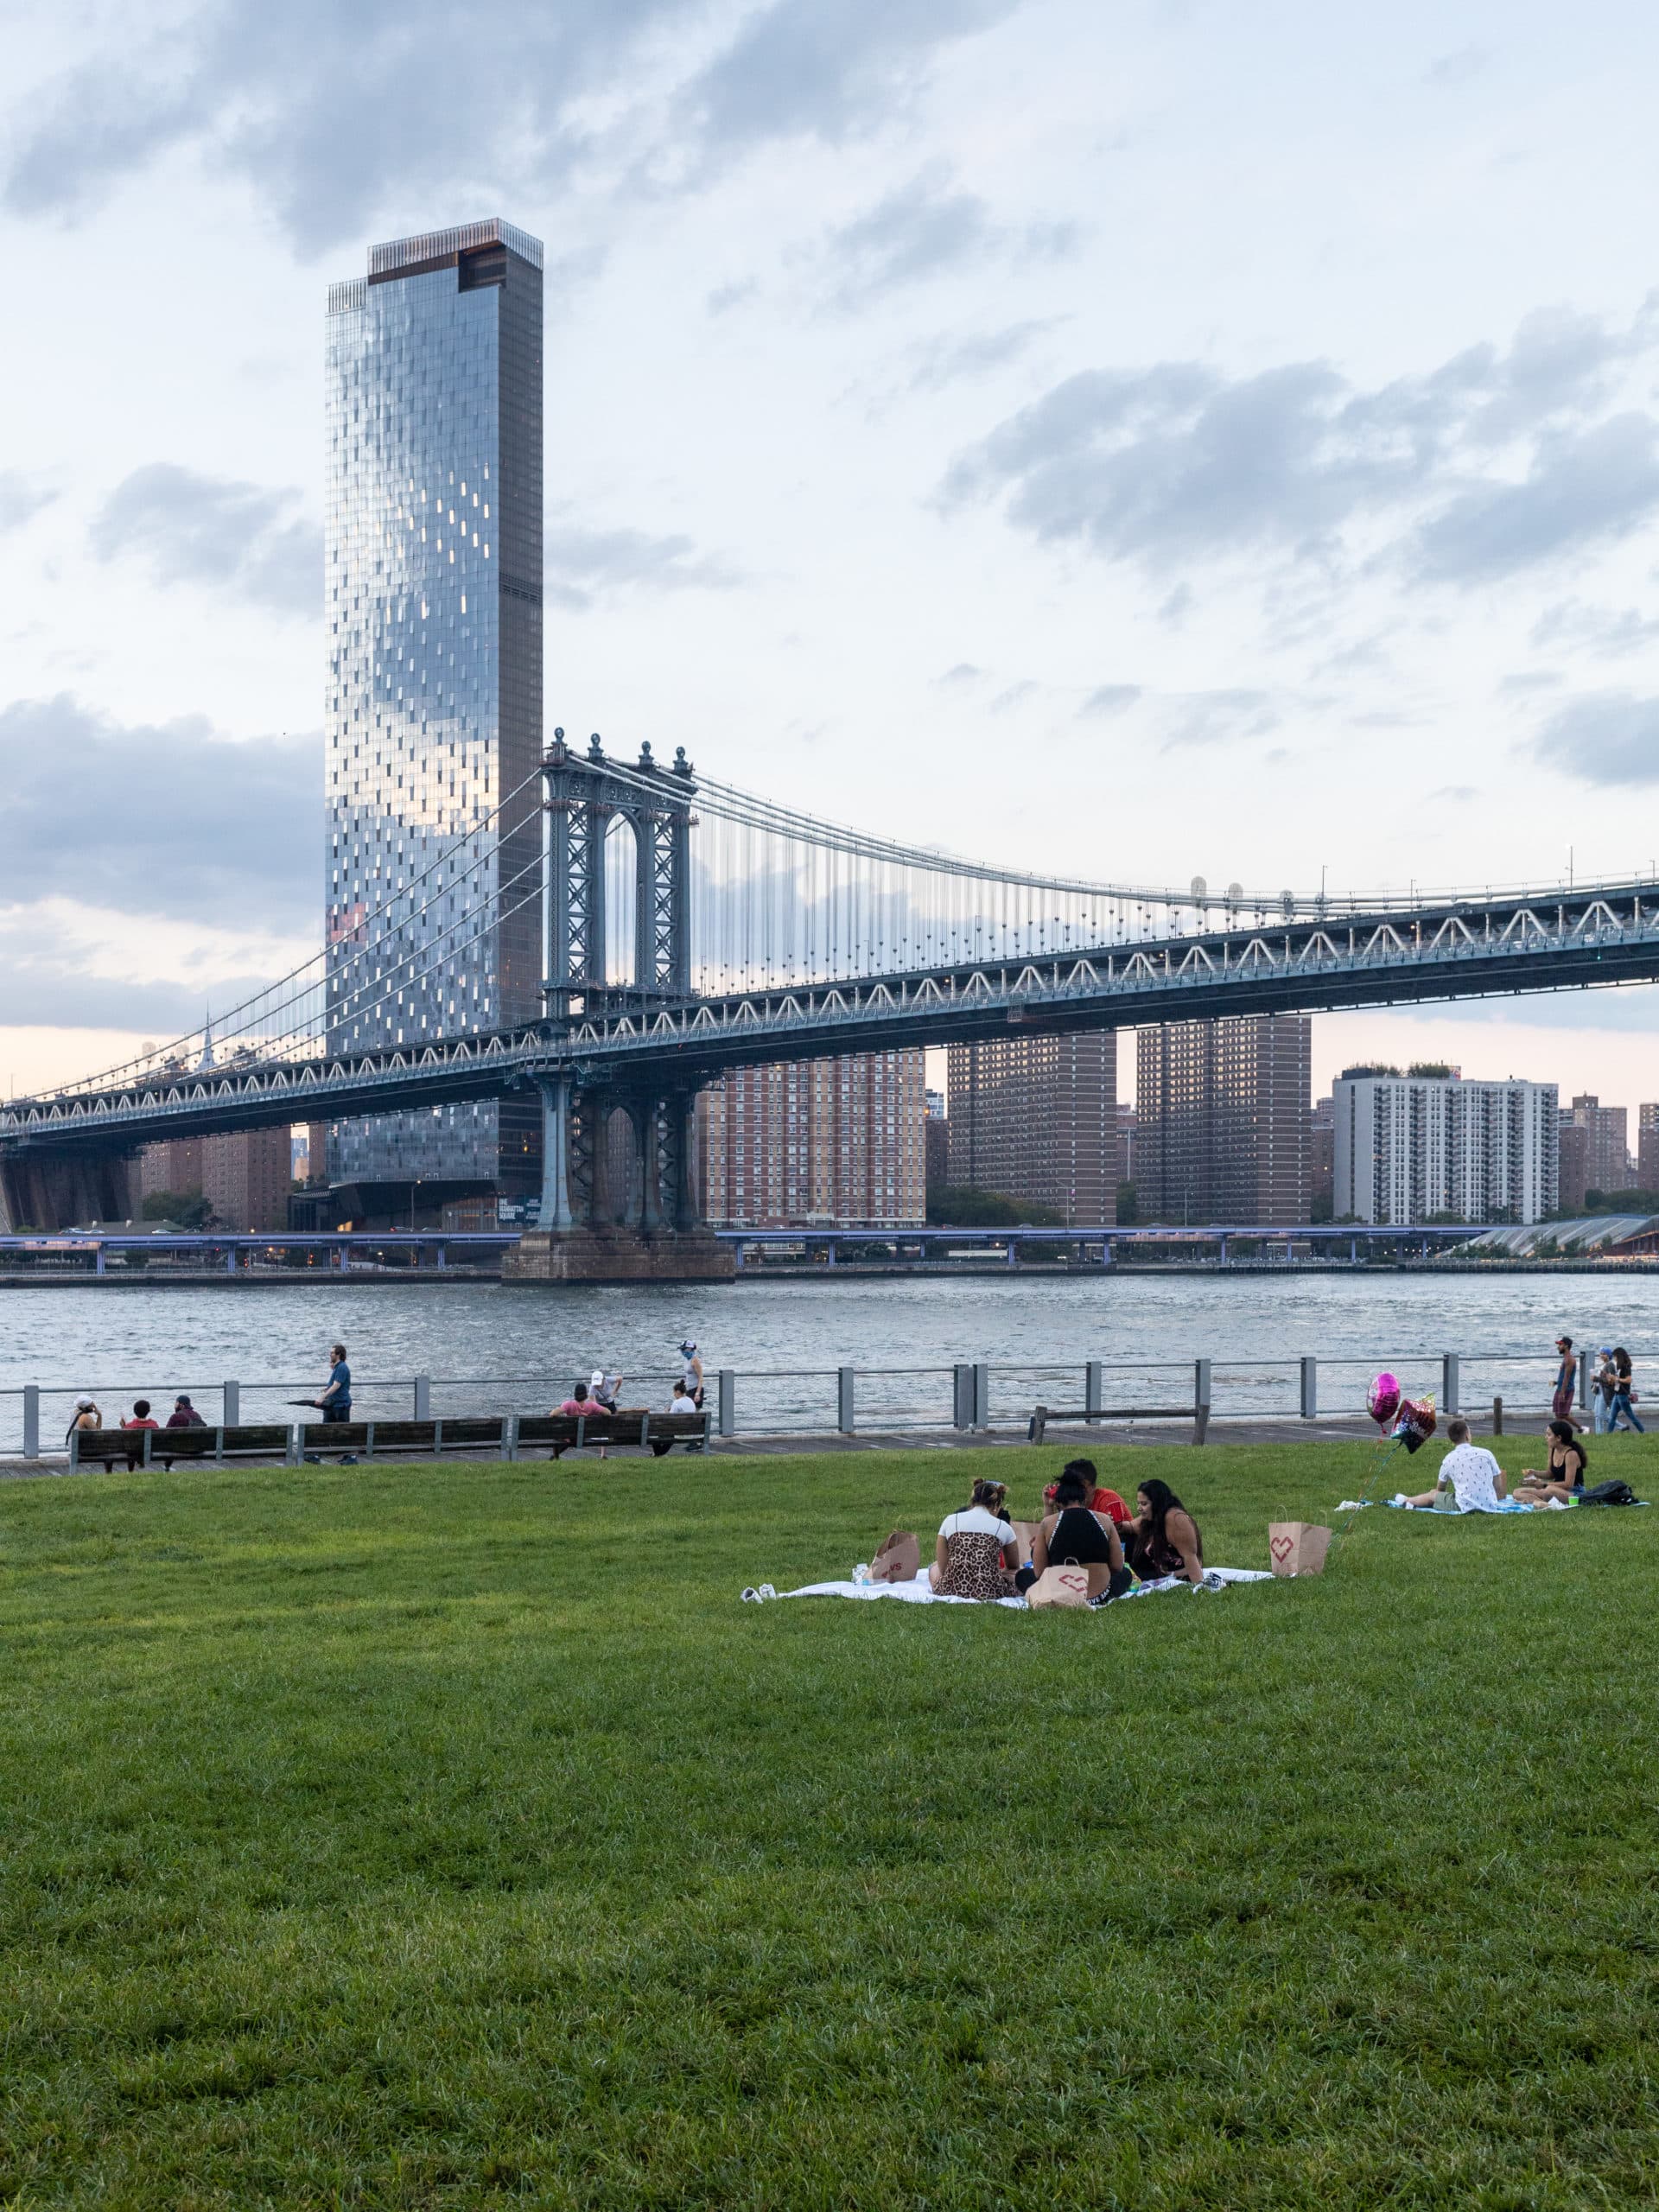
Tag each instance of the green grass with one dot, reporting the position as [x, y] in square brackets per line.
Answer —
[453, 1836]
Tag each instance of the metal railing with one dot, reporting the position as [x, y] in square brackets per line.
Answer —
[968, 1398]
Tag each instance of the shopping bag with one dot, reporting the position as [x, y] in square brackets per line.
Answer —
[1026, 1535]
[898, 1559]
[1297, 1546]
[1060, 1585]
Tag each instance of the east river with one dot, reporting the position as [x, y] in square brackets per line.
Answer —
[490, 1347]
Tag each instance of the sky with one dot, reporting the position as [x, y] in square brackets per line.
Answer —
[1139, 441]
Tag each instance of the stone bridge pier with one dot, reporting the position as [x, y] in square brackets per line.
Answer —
[650, 1232]
[64, 1190]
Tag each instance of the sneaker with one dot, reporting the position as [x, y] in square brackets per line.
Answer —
[348, 1459]
[766, 1590]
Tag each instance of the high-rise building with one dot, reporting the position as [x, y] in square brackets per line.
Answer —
[173, 1169]
[1322, 1159]
[1409, 1147]
[243, 1175]
[1035, 1118]
[433, 608]
[1647, 1146]
[1128, 1127]
[804, 1143]
[1607, 1146]
[1224, 1120]
[936, 1142]
[1572, 1161]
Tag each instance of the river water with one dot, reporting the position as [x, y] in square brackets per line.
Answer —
[488, 1347]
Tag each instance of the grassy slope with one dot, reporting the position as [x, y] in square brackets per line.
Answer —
[431, 1836]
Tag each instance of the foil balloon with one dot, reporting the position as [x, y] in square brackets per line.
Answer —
[1416, 1422]
[1382, 1400]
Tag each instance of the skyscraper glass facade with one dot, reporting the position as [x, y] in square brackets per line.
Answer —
[433, 592]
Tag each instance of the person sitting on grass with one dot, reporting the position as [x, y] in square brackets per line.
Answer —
[1164, 1538]
[977, 1550]
[1099, 1500]
[1564, 1476]
[1074, 1534]
[1474, 1474]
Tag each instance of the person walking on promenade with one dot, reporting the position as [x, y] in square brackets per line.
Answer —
[1566, 1375]
[1604, 1388]
[335, 1403]
[1624, 1396]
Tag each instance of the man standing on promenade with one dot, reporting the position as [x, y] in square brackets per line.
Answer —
[336, 1400]
[1565, 1376]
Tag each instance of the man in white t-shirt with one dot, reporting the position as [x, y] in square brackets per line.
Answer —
[1473, 1473]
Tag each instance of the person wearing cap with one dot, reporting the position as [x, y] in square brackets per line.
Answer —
[87, 1416]
[691, 1375]
[1566, 1375]
[1604, 1388]
[601, 1392]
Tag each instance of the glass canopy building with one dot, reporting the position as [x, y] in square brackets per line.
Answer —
[433, 606]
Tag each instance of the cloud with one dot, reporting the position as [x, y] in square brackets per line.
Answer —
[1110, 700]
[1227, 716]
[21, 498]
[1450, 71]
[1490, 463]
[1608, 737]
[207, 530]
[344, 119]
[944, 361]
[924, 229]
[827, 68]
[1605, 631]
[161, 820]
[580, 566]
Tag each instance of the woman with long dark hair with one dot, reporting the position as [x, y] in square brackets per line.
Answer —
[1624, 1392]
[1564, 1476]
[1164, 1537]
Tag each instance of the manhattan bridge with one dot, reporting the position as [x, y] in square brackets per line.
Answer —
[687, 927]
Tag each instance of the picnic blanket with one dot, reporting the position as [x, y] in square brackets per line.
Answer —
[1502, 1505]
[919, 1592]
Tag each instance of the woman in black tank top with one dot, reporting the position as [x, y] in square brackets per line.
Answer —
[1072, 1532]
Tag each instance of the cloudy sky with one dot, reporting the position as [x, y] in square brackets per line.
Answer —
[1152, 438]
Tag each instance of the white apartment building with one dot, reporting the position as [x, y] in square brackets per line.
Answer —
[1410, 1147]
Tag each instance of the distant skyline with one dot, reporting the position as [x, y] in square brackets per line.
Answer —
[1164, 441]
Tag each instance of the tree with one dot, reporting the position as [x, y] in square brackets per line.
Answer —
[960, 1206]
[1129, 1205]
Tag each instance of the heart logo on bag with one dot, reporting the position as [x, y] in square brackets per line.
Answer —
[1076, 1578]
[1281, 1548]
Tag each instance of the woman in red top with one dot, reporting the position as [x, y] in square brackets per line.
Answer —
[1099, 1500]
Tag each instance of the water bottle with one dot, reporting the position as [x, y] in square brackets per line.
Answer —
[862, 1573]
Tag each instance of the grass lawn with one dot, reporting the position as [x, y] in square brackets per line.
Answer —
[426, 1836]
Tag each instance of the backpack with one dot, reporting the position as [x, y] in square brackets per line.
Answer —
[1610, 1493]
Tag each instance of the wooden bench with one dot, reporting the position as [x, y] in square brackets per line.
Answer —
[506, 1434]
[1197, 1415]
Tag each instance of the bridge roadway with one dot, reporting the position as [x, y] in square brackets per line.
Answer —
[1592, 937]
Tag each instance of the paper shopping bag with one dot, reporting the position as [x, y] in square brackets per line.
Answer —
[898, 1559]
[1060, 1585]
[1024, 1534]
[1297, 1546]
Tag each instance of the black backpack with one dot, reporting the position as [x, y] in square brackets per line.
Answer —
[1610, 1493]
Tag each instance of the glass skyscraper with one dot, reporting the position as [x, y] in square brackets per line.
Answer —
[433, 577]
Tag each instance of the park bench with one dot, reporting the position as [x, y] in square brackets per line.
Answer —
[1199, 1414]
[508, 1435]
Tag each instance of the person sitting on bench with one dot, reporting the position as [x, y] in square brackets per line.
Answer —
[1072, 1533]
[578, 1402]
[681, 1406]
[1564, 1476]
[1473, 1473]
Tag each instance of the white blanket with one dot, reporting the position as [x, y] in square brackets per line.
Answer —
[919, 1592]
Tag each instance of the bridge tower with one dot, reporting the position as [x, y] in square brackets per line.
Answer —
[653, 1230]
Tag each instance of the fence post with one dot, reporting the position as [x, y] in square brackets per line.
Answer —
[1497, 1416]
[962, 1406]
[423, 1397]
[1200, 1399]
[844, 1400]
[1310, 1389]
[31, 1420]
[1584, 1380]
[726, 1380]
[1449, 1382]
[981, 1395]
[1092, 1400]
[230, 1408]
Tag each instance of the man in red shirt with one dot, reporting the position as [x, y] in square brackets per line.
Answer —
[140, 1419]
[1101, 1501]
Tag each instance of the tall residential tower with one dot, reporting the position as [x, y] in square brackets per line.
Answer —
[433, 602]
